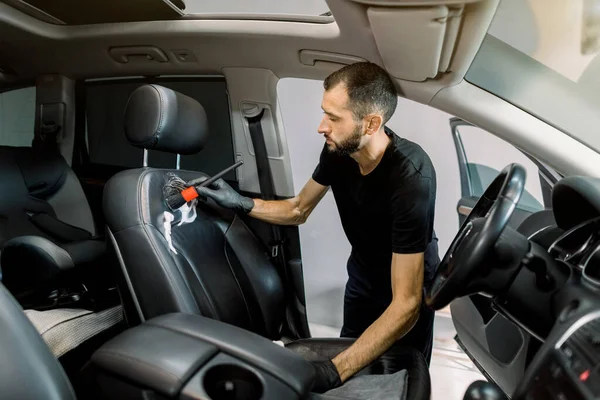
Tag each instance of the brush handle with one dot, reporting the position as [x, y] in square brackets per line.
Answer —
[199, 183]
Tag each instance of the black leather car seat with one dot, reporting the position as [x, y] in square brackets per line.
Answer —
[46, 225]
[41, 196]
[214, 265]
[51, 258]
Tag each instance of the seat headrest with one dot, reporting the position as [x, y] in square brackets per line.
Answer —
[158, 118]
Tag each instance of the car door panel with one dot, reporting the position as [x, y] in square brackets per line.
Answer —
[496, 346]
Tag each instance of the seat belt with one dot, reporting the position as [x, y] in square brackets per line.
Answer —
[265, 179]
[265, 175]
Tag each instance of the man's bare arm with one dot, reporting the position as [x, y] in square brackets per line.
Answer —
[396, 321]
[293, 211]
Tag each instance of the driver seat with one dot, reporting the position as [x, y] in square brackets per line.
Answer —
[206, 261]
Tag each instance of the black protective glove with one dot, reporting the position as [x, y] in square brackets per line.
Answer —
[327, 376]
[226, 197]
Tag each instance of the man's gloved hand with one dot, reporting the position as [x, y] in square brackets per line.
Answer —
[327, 376]
[226, 197]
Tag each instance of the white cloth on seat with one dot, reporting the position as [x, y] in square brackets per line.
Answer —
[63, 329]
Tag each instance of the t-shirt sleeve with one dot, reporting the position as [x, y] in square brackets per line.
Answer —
[412, 218]
[323, 172]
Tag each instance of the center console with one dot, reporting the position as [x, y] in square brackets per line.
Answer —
[182, 356]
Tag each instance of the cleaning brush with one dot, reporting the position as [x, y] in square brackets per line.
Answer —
[177, 192]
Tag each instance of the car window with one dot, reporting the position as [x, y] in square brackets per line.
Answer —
[17, 117]
[105, 103]
[542, 56]
[486, 155]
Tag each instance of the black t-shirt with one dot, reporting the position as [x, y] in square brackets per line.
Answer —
[389, 210]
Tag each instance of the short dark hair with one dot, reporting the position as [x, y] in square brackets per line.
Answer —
[370, 89]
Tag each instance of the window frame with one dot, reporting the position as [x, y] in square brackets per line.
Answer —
[547, 175]
[81, 161]
[19, 86]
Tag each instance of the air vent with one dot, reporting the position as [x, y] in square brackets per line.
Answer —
[591, 268]
[576, 244]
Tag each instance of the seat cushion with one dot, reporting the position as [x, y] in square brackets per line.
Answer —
[396, 359]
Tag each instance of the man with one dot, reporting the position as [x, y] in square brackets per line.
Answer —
[385, 189]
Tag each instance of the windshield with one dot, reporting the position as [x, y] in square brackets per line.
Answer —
[541, 55]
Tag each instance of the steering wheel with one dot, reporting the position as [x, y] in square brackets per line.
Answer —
[477, 237]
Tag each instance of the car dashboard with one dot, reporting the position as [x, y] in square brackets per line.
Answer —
[564, 309]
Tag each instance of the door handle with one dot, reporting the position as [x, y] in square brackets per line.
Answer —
[151, 53]
[310, 57]
[465, 210]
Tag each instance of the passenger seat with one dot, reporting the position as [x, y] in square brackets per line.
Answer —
[51, 256]
[41, 196]
[46, 225]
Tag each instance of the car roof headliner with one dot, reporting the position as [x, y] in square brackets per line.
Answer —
[33, 47]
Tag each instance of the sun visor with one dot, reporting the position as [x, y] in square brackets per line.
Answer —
[81, 12]
[416, 43]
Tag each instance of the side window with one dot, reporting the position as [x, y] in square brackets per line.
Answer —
[486, 155]
[17, 117]
[105, 103]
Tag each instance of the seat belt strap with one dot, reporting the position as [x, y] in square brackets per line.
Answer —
[265, 179]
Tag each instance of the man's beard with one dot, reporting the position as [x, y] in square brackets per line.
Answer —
[349, 145]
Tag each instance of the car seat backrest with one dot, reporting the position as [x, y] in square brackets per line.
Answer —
[41, 196]
[210, 264]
